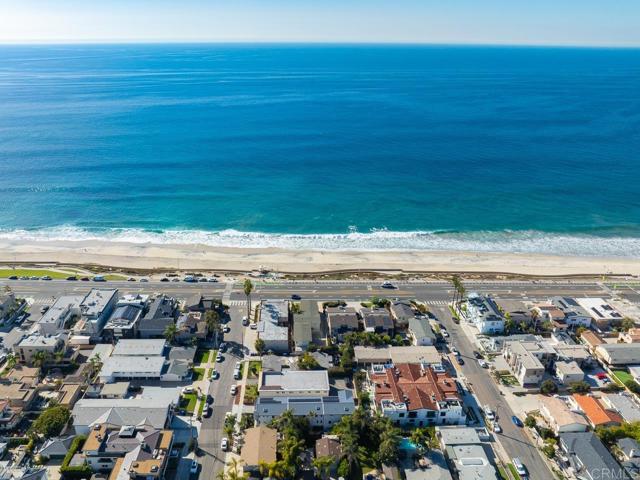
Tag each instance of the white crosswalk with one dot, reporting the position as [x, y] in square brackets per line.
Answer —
[437, 302]
[237, 303]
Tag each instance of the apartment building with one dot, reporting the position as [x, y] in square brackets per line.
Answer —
[483, 312]
[273, 326]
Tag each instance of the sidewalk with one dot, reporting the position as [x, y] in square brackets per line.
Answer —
[202, 386]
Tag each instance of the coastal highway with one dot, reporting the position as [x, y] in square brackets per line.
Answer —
[431, 292]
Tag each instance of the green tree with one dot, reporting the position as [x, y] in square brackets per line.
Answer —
[307, 362]
[388, 451]
[11, 360]
[548, 387]
[534, 319]
[232, 472]
[39, 358]
[322, 466]
[171, 333]
[627, 324]
[530, 421]
[579, 387]
[212, 319]
[296, 308]
[247, 286]
[260, 346]
[509, 325]
[51, 422]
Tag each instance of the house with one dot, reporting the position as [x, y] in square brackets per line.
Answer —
[154, 406]
[19, 394]
[515, 310]
[618, 354]
[139, 348]
[629, 450]
[574, 314]
[51, 345]
[528, 360]
[95, 309]
[421, 332]
[402, 311]
[305, 318]
[367, 356]
[161, 314]
[625, 404]
[68, 394]
[273, 326]
[304, 392]
[186, 354]
[61, 315]
[483, 312]
[201, 303]
[10, 416]
[131, 367]
[259, 447]
[129, 451]
[377, 320]
[588, 457]
[56, 447]
[469, 457]
[603, 315]
[191, 326]
[329, 446]
[551, 313]
[630, 336]
[591, 340]
[560, 417]
[342, 320]
[415, 395]
[123, 323]
[9, 305]
[595, 412]
[114, 390]
[568, 372]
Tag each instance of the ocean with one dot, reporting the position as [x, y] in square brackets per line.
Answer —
[323, 146]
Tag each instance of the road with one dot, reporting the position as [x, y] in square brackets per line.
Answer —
[512, 438]
[211, 432]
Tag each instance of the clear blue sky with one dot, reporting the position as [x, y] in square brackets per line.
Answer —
[538, 22]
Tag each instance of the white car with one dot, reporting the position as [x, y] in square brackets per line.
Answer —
[226, 329]
[520, 468]
[489, 414]
[483, 363]
[215, 375]
[444, 333]
[455, 351]
[234, 389]
[387, 285]
[187, 390]
[254, 326]
[224, 444]
[245, 321]
[194, 467]
[496, 427]
[218, 357]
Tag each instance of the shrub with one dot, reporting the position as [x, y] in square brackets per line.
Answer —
[579, 387]
[51, 422]
[80, 471]
[633, 386]
[548, 387]
[530, 421]
[612, 388]
[338, 372]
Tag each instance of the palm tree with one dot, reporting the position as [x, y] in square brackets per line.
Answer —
[455, 280]
[534, 319]
[11, 360]
[352, 453]
[323, 466]
[171, 332]
[232, 472]
[212, 318]
[248, 288]
[39, 358]
[278, 469]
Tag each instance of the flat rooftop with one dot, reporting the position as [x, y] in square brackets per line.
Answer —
[296, 381]
[142, 347]
[96, 301]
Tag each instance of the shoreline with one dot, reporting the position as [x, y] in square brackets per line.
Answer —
[167, 257]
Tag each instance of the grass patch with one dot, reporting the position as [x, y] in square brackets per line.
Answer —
[201, 405]
[250, 394]
[202, 356]
[30, 272]
[502, 473]
[622, 376]
[509, 380]
[114, 276]
[188, 401]
[254, 366]
[513, 470]
[198, 374]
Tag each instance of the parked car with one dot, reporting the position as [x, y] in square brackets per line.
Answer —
[517, 422]
[254, 326]
[164, 279]
[72, 278]
[219, 357]
[209, 399]
[460, 360]
[215, 375]
[99, 278]
[44, 309]
[84, 279]
[194, 467]
[190, 279]
[295, 296]
[226, 329]
[46, 277]
[488, 413]
[223, 347]
[188, 389]
[34, 277]
[144, 280]
[212, 280]
[224, 444]
[207, 412]
[13, 277]
[387, 285]
[477, 354]
[234, 389]
[496, 427]
[483, 364]
[245, 321]
[520, 468]
[131, 279]
[175, 280]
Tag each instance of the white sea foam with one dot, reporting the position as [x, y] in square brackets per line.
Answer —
[379, 240]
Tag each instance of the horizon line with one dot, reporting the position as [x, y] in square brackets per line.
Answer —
[42, 42]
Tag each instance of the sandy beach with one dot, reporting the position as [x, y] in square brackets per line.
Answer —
[201, 257]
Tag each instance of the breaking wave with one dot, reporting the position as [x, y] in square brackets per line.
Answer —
[381, 240]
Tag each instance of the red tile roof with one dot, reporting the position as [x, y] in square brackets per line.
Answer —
[418, 388]
[595, 411]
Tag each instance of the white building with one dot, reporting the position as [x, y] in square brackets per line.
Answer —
[63, 312]
[483, 312]
[273, 327]
[528, 360]
[560, 417]
[421, 332]
[34, 343]
[95, 310]
[568, 372]
[602, 313]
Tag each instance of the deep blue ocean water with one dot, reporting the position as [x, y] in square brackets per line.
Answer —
[486, 148]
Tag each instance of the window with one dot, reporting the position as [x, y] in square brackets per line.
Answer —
[401, 415]
[431, 414]
[413, 414]
[443, 414]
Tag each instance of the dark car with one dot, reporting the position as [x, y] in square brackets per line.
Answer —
[460, 360]
[517, 422]
[207, 412]
[72, 278]
[295, 296]
[13, 277]
[477, 354]
[85, 279]
[164, 279]
[209, 399]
